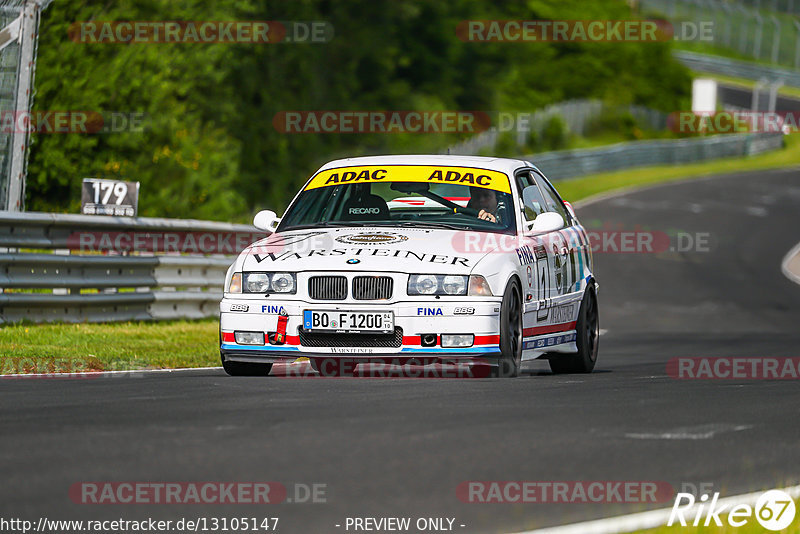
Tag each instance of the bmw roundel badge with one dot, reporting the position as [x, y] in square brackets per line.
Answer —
[353, 261]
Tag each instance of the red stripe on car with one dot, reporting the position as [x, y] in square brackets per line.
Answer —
[537, 330]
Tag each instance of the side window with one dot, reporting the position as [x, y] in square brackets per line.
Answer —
[532, 201]
[552, 201]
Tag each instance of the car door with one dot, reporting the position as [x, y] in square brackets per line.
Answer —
[574, 250]
[537, 259]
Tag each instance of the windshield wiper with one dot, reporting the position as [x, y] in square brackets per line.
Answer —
[432, 224]
[324, 224]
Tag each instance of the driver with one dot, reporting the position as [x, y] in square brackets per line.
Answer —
[485, 201]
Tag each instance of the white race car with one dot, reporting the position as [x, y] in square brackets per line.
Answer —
[415, 260]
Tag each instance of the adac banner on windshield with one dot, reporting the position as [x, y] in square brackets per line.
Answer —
[432, 174]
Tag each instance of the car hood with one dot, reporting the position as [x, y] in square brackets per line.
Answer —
[409, 250]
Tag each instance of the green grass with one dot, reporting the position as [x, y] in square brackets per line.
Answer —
[108, 346]
[580, 188]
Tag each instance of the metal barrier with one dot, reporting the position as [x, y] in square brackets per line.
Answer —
[92, 276]
[737, 69]
[761, 32]
[565, 164]
[578, 116]
[19, 37]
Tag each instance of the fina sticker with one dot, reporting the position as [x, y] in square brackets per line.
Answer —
[494, 180]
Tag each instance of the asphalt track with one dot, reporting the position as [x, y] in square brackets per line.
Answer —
[400, 447]
[735, 95]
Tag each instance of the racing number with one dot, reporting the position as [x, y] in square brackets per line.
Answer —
[561, 264]
[542, 286]
[558, 269]
[544, 279]
[119, 189]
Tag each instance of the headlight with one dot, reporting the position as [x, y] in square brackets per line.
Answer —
[458, 340]
[437, 284]
[236, 283]
[423, 284]
[256, 282]
[454, 285]
[248, 338]
[283, 283]
[269, 283]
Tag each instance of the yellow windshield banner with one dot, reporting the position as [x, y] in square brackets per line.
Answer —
[432, 174]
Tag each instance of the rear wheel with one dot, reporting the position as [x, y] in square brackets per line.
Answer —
[588, 336]
[510, 360]
[245, 368]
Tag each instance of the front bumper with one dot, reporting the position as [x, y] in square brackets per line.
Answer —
[415, 319]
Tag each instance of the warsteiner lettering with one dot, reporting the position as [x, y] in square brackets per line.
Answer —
[419, 256]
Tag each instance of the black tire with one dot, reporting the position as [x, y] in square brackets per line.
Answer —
[588, 330]
[510, 360]
[246, 368]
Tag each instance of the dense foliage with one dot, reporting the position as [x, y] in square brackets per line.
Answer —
[210, 150]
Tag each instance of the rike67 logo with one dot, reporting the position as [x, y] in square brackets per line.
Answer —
[774, 510]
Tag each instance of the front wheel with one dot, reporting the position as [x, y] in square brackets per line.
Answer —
[245, 368]
[510, 360]
[588, 336]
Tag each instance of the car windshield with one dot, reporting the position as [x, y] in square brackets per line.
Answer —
[405, 195]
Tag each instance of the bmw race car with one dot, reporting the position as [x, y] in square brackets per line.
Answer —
[415, 259]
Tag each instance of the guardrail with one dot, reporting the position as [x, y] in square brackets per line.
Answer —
[113, 268]
[737, 69]
[565, 164]
[578, 116]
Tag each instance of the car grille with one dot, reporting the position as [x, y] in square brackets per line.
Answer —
[327, 287]
[327, 339]
[372, 287]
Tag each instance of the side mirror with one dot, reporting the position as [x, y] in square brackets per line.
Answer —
[546, 222]
[266, 220]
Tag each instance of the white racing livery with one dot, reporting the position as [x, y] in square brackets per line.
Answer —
[415, 260]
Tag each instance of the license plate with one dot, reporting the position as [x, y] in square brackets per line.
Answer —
[348, 322]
